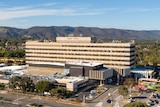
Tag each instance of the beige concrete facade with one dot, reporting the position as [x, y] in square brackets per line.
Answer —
[101, 74]
[119, 56]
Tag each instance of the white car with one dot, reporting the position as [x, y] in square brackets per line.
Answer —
[150, 102]
[131, 100]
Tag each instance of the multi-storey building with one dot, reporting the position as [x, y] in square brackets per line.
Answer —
[119, 56]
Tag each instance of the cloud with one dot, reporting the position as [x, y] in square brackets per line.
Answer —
[28, 11]
[50, 4]
[18, 8]
[32, 12]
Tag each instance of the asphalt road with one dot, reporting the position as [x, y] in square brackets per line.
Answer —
[23, 101]
[101, 100]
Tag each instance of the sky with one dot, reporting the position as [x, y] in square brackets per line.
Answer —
[120, 14]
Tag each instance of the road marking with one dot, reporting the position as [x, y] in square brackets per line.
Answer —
[20, 98]
[99, 104]
[115, 90]
[150, 95]
[108, 96]
[116, 104]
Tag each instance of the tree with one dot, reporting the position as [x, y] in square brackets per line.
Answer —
[42, 86]
[136, 104]
[123, 90]
[22, 83]
[60, 92]
[14, 82]
[26, 84]
[158, 90]
[129, 82]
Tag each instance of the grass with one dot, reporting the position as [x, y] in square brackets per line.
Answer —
[6, 99]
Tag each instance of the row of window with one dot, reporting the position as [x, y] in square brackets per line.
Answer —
[96, 46]
[79, 50]
[80, 58]
[77, 54]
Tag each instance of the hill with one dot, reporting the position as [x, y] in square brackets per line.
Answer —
[53, 31]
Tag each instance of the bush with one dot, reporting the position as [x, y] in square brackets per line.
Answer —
[2, 86]
[36, 105]
[136, 104]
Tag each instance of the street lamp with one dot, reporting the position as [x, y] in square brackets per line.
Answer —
[17, 94]
[130, 95]
[109, 94]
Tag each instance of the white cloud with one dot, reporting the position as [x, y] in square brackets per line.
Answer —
[19, 8]
[50, 4]
[27, 11]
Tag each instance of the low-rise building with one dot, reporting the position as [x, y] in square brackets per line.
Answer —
[73, 83]
[141, 73]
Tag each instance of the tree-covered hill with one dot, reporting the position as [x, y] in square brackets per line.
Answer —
[53, 31]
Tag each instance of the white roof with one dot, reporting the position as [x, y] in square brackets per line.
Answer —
[91, 64]
[70, 79]
[142, 71]
[50, 63]
[12, 68]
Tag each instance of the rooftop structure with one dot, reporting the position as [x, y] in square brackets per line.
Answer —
[73, 83]
[72, 39]
[142, 73]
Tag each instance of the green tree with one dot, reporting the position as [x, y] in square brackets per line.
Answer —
[23, 83]
[60, 92]
[136, 104]
[42, 86]
[2, 52]
[158, 90]
[129, 82]
[26, 84]
[19, 53]
[122, 90]
[14, 82]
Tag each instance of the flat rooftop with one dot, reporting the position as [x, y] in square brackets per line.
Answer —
[70, 79]
[49, 63]
[12, 68]
[90, 64]
[141, 70]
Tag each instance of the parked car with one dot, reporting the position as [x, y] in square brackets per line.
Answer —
[150, 102]
[156, 101]
[131, 100]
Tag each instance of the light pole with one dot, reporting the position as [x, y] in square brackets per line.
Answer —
[17, 95]
[109, 94]
[130, 95]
